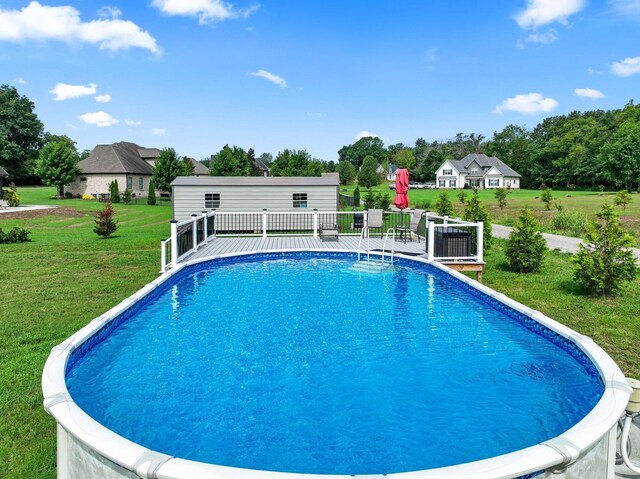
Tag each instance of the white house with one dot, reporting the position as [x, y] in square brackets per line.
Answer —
[476, 170]
[390, 175]
[193, 195]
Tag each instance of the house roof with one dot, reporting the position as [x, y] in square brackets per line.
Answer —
[484, 161]
[123, 157]
[199, 168]
[149, 153]
[256, 181]
[259, 164]
[3, 172]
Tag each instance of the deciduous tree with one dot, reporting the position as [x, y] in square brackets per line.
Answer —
[368, 175]
[57, 163]
[347, 172]
[167, 168]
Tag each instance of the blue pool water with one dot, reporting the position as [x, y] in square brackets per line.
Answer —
[316, 365]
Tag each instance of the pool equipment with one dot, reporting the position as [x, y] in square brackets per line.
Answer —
[632, 410]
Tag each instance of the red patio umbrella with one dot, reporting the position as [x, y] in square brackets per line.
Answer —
[402, 186]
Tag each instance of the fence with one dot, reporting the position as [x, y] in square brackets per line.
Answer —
[445, 238]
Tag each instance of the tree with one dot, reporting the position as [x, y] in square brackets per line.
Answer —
[462, 196]
[296, 163]
[356, 197]
[151, 197]
[526, 248]
[621, 155]
[167, 168]
[114, 192]
[547, 198]
[126, 196]
[404, 158]
[105, 224]
[231, 162]
[623, 198]
[369, 145]
[606, 262]
[369, 200]
[474, 211]
[501, 195]
[347, 172]
[443, 205]
[57, 164]
[368, 175]
[20, 133]
[383, 202]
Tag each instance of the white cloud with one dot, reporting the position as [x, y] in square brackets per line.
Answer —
[364, 134]
[158, 131]
[626, 7]
[544, 12]
[527, 104]
[314, 113]
[20, 80]
[545, 38]
[109, 11]
[41, 22]
[132, 122]
[593, 71]
[205, 10]
[106, 98]
[64, 91]
[627, 67]
[589, 93]
[100, 119]
[277, 80]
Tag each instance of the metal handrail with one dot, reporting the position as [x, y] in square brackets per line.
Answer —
[393, 243]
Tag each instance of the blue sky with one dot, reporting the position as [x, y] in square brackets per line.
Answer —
[313, 74]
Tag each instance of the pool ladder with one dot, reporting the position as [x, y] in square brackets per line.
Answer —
[384, 245]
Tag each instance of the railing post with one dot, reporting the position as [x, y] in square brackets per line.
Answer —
[215, 222]
[431, 227]
[315, 222]
[194, 220]
[205, 233]
[163, 256]
[264, 223]
[174, 243]
[366, 223]
[445, 220]
[480, 241]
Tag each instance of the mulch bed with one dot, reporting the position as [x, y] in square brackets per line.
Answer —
[18, 215]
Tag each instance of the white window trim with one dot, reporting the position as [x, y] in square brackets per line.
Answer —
[300, 200]
[212, 201]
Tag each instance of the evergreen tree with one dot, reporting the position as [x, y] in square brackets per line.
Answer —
[501, 195]
[462, 196]
[526, 248]
[547, 198]
[126, 196]
[57, 164]
[369, 200]
[474, 211]
[151, 197]
[444, 206]
[623, 198]
[105, 224]
[114, 191]
[368, 176]
[607, 261]
[356, 197]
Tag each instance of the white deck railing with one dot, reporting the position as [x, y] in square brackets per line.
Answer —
[446, 239]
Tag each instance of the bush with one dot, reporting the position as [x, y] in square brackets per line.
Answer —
[356, 197]
[126, 196]
[547, 198]
[105, 224]
[151, 197]
[88, 197]
[15, 235]
[11, 197]
[606, 262]
[475, 211]
[462, 196]
[572, 221]
[424, 205]
[443, 205]
[115, 192]
[501, 195]
[383, 201]
[623, 198]
[68, 195]
[526, 248]
[369, 200]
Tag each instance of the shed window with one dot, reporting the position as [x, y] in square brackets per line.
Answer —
[299, 200]
[212, 200]
[447, 172]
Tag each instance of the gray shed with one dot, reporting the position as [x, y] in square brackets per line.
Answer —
[252, 194]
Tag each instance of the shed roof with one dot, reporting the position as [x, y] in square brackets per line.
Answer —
[256, 181]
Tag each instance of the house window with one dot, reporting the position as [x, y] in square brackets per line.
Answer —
[494, 183]
[442, 183]
[83, 178]
[299, 200]
[447, 172]
[474, 170]
[129, 182]
[141, 183]
[211, 200]
[452, 183]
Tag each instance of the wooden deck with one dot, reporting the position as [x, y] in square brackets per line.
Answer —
[229, 245]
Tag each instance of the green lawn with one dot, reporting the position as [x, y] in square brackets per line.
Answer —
[67, 276]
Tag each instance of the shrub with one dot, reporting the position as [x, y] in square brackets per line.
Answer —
[558, 206]
[151, 197]
[424, 205]
[11, 197]
[369, 200]
[547, 198]
[572, 221]
[88, 197]
[462, 196]
[443, 205]
[115, 192]
[356, 197]
[606, 262]
[501, 195]
[623, 198]
[68, 195]
[15, 235]
[383, 201]
[105, 224]
[475, 211]
[526, 248]
[126, 196]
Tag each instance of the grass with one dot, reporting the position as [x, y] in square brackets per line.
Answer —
[67, 276]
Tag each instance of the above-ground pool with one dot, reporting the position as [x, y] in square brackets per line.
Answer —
[315, 363]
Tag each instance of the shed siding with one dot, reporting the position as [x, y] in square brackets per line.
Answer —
[190, 199]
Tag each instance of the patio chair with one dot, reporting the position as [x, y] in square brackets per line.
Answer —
[413, 226]
[375, 220]
[328, 230]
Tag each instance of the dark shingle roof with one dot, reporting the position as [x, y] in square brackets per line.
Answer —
[484, 161]
[123, 157]
[199, 168]
[259, 164]
[3, 172]
[149, 153]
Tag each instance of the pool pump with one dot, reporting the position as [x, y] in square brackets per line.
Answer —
[632, 410]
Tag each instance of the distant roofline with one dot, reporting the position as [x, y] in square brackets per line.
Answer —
[256, 181]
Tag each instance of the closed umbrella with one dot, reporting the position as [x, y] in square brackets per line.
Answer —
[402, 187]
